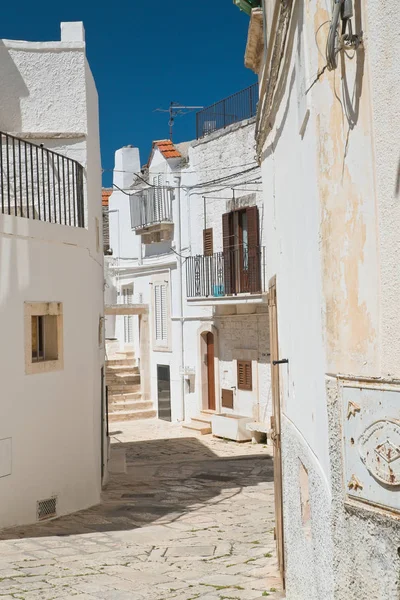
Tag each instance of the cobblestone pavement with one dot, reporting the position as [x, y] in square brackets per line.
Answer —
[191, 517]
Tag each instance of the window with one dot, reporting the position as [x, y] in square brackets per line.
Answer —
[244, 375]
[160, 314]
[208, 242]
[44, 337]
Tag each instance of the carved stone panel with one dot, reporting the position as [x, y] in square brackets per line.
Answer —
[371, 431]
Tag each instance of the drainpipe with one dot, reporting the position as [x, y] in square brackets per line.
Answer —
[177, 182]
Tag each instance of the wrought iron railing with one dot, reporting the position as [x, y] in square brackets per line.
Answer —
[229, 273]
[38, 183]
[150, 207]
[235, 108]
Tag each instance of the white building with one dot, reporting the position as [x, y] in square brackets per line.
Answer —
[51, 281]
[189, 245]
[327, 130]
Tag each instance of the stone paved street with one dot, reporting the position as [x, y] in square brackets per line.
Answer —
[186, 517]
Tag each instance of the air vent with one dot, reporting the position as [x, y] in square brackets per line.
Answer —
[46, 509]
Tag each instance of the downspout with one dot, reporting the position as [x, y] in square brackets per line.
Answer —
[177, 181]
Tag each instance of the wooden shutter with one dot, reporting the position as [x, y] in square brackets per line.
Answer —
[228, 251]
[227, 398]
[161, 313]
[208, 246]
[164, 313]
[244, 375]
[157, 310]
[254, 250]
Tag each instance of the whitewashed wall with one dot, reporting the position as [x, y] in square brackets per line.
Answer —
[53, 419]
[330, 193]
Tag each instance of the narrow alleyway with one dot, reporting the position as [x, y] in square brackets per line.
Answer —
[191, 517]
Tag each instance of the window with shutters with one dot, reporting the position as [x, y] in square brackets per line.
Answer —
[208, 246]
[244, 375]
[161, 314]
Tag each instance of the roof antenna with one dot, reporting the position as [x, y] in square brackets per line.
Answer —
[174, 110]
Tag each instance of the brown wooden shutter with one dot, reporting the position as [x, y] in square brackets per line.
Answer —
[227, 398]
[244, 375]
[208, 246]
[253, 235]
[228, 247]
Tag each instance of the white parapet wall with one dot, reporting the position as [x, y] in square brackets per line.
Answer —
[51, 426]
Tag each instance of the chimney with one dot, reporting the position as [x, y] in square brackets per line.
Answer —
[127, 163]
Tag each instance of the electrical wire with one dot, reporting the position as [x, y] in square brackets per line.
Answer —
[182, 170]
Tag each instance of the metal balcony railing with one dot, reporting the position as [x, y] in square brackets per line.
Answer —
[38, 183]
[151, 206]
[229, 273]
[235, 108]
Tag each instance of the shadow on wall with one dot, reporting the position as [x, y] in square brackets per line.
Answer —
[166, 479]
[11, 93]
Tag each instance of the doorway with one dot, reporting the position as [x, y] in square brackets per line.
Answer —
[164, 392]
[276, 425]
[210, 371]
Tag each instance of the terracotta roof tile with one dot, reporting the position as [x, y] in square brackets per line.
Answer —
[167, 149]
[105, 194]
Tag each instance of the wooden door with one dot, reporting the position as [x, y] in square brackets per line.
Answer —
[210, 371]
[276, 425]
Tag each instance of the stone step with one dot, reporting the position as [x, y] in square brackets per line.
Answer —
[201, 428]
[123, 389]
[123, 380]
[131, 415]
[121, 362]
[202, 418]
[123, 406]
[119, 396]
[118, 369]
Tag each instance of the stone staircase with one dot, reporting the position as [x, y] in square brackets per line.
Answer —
[201, 423]
[124, 391]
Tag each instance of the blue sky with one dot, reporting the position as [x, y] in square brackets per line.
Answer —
[143, 56]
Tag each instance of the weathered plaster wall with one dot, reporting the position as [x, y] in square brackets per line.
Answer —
[308, 538]
[332, 241]
[365, 541]
[380, 20]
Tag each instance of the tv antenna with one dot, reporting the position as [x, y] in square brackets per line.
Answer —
[174, 110]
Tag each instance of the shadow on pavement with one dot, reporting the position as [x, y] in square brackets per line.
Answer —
[164, 481]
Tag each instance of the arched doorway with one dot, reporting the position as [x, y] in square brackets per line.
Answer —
[210, 370]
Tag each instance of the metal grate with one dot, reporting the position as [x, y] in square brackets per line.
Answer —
[46, 509]
[38, 183]
[235, 108]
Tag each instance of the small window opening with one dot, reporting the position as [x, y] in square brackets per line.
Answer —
[44, 338]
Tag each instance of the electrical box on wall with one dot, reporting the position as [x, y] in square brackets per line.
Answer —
[371, 431]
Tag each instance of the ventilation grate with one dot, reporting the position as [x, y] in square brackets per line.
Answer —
[46, 509]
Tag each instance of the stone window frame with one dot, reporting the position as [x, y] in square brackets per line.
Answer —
[43, 309]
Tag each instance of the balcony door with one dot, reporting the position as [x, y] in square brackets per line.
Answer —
[242, 253]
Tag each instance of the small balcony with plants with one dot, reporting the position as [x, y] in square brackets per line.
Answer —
[232, 276]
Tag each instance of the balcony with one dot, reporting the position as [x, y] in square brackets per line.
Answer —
[37, 183]
[151, 214]
[231, 276]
